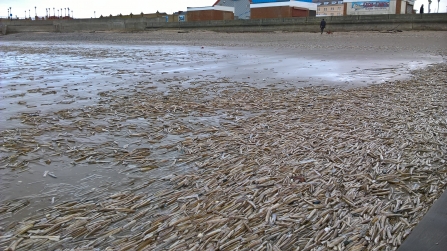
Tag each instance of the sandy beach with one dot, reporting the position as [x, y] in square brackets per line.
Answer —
[220, 141]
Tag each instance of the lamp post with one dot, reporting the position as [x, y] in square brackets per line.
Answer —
[72, 14]
[8, 13]
[94, 12]
[68, 12]
[65, 12]
[25, 14]
[29, 14]
[61, 12]
[35, 11]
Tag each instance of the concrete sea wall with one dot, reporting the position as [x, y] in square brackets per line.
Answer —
[433, 21]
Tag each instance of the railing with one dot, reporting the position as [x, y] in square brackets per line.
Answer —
[37, 18]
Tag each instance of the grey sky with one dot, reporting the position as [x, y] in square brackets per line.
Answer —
[87, 8]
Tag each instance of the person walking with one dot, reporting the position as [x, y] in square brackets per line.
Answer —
[421, 10]
[322, 25]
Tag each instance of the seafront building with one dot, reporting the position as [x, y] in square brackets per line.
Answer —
[241, 7]
[329, 7]
[253, 9]
[282, 8]
[210, 13]
[263, 9]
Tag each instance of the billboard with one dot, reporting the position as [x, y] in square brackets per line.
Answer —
[366, 6]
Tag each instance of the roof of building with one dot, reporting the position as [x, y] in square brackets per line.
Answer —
[217, 7]
[306, 4]
[327, 2]
[226, 0]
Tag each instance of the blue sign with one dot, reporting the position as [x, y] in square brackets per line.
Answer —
[181, 18]
[269, 1]
[10, 15]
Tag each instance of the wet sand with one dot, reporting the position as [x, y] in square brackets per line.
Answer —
[57, 89]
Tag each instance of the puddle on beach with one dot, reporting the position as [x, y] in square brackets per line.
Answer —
[44, 86]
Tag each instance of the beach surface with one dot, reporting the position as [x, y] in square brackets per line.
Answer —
[201, 140]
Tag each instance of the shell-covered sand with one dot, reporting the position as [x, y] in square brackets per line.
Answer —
[155, 161]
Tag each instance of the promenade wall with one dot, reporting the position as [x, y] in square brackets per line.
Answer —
[435, 21]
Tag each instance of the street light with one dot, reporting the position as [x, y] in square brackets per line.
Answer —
[72, 14]
[25, 14]
[8, 13]
[54, 11]
[29, 14]
[61, 12]
[68, 12]
[94, 13]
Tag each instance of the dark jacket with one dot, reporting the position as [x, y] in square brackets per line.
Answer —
[421, 10]
[323, 24]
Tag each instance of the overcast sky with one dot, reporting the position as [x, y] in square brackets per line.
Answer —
[86, 8]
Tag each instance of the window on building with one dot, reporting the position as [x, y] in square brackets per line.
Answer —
[325, 9]
[339, 8]
[332, 14]
[332, 8]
